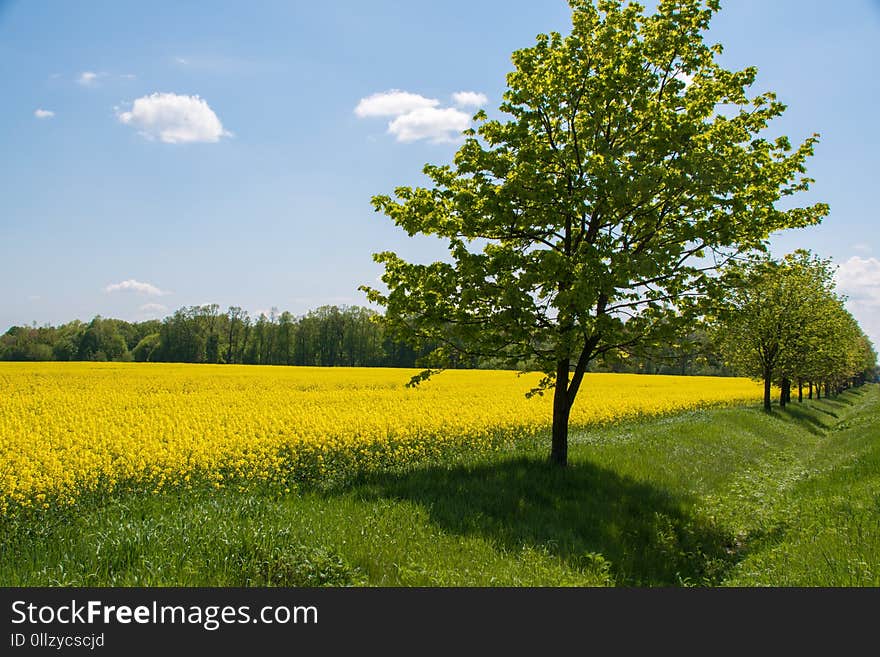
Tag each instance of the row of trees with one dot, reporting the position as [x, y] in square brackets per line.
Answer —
[328, 336]
[782, 321]
[98, 340]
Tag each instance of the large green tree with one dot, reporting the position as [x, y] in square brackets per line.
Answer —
[629, 165]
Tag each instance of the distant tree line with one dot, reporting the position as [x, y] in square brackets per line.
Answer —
[328, 336]
[779, 321]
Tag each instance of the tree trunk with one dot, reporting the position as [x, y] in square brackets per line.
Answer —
[800, 391]
[561, 410]
[810, 395]
[784, 392]
[767, 403]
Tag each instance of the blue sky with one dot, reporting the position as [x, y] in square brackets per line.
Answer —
[162, 154]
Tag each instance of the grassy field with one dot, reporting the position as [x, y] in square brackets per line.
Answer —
[707, 497]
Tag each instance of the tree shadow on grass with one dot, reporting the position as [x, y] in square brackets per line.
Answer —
[804, 412]
[803, 416]
[847, 397]
[576, 512]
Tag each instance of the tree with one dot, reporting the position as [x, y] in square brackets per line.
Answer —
[773, 316]
[284, 348]
[261, 340]
[235, 316]
[210, 317]
[866, 361]
[26, 343]
[67, 339]
[144, 350]
[845, 352]
[102, 341]
[181, 338]
[811, 310]
[782, 321]
[631, 166]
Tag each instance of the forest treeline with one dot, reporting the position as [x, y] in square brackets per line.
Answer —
[780, 321]
[328, 336]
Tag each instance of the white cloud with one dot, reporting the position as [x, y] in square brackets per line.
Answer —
[435, 125]
[392, 103]
[41, 113]
[153, 308]
[174, 119]
[469, 99]
[859, 279]
[132, 285]
[416, 117]
[87, 78]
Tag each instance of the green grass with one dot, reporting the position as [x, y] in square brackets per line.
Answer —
[713, 497]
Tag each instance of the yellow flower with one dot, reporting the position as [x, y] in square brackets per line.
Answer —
[70, 427]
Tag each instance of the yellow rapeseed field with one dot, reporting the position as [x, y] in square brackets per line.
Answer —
[66, 428]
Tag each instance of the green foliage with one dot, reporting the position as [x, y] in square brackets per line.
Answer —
[583, 223]
[28, 343]
[145, 349]
[782, 321]
[328, 336]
